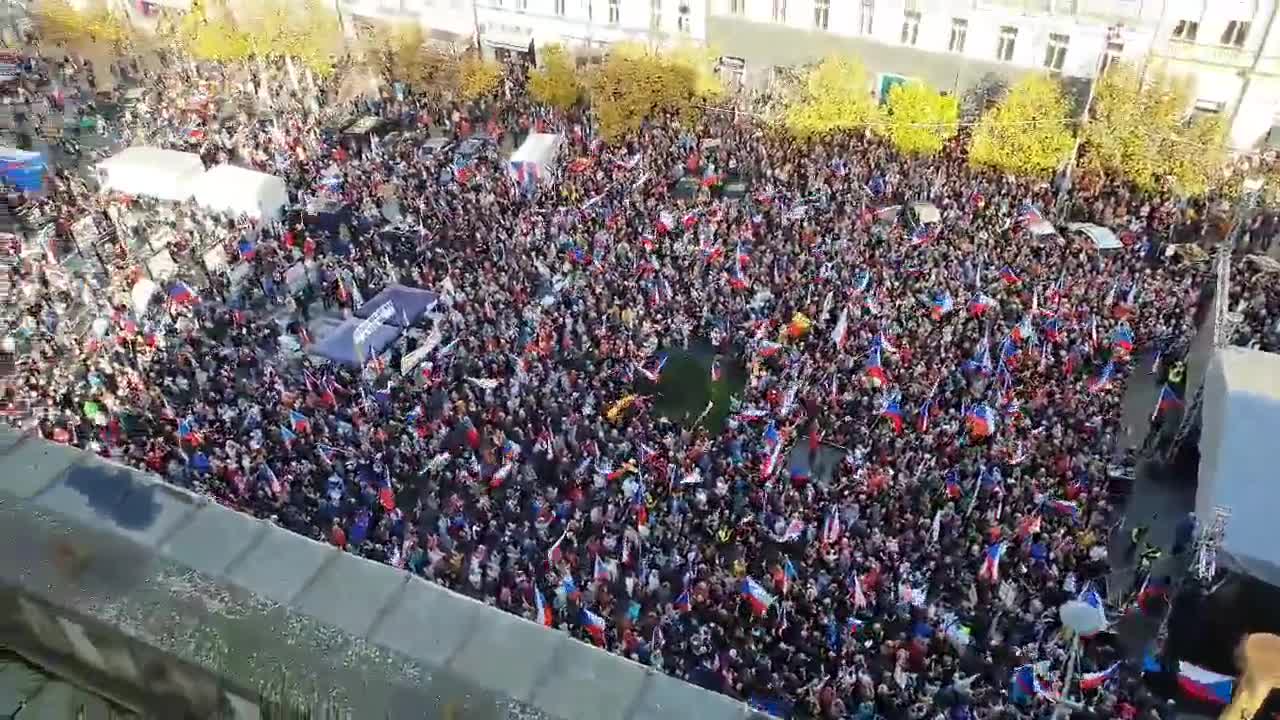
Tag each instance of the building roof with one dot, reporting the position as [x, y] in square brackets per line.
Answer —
[274, 613]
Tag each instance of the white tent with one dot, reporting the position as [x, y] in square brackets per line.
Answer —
[228, 188]
[151, 172]
[1239, 457]
[531, 162]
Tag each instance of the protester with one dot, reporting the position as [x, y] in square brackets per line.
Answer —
[968, 372]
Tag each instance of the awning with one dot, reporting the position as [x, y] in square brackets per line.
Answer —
[508, 41]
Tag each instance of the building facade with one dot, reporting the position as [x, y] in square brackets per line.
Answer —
[1231, 49]
[951, 45]
[515, 26]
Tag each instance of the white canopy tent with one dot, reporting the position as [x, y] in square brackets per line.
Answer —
[228, 188]
[1239, 457]
[151, 172]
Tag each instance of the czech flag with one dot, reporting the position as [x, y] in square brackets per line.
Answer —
[922, 415]
[769, 348]
[181, 293]
[920, 235]
[981, 421]
[831, 528]
[594, 625]
[981, 303]
[893, 411]
[684, 602]
[874, 370]
[756, 596]
[1122, 339]
[544, 612]
[990, 570]
[1169, 400]
[299, 421]
[1064, 507]
[287, 435]
[187, 433]
[247, 250]
[1205, 685]
[772, 449]
[1095, 680]
[982, 358]
[1053, 330]
[942, 304]
[1023, 331]
[652, 369]
[1029, 214]
[1103, 380]
[1009, 276]
[952, 486]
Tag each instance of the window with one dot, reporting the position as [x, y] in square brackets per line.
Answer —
[868, 16]
[780, 11]
[959, 31]
[1115, 48]
[522, 5]
[821, 13]
[1004, 49]
[910, 27]
[615, 11]
[655, 15]
[1056, 53]
[1236, 32]
[560, 8]
[1186, 30]
[737, 7]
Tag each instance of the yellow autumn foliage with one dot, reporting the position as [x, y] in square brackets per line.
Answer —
[398, 52]
[307, 31]
[555, 82]
[634, 84]
[478, 78]
[919, 119]
[208, 32]
[835, 97]
[58, 22]
[1138, 131]
[1027, 133]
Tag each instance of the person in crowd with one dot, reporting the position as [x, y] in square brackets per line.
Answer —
[966, 374]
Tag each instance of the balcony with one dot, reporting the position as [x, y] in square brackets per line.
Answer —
[1222, 55]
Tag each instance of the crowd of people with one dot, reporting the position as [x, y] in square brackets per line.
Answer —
[966, 374]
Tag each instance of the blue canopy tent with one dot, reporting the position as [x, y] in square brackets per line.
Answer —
[410, 304]
[22, 169]
[339, 345]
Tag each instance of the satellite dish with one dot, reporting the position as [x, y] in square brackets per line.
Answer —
[1082, 618]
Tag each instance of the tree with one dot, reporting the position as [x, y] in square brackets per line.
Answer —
[58, 22]
[835, 97]
[1137, 131]
[1027, 133]
[919, 119]
[209, 33]
[478, 78]
[702, 62]
[555, 83]
[306, 31]
[633, 84]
